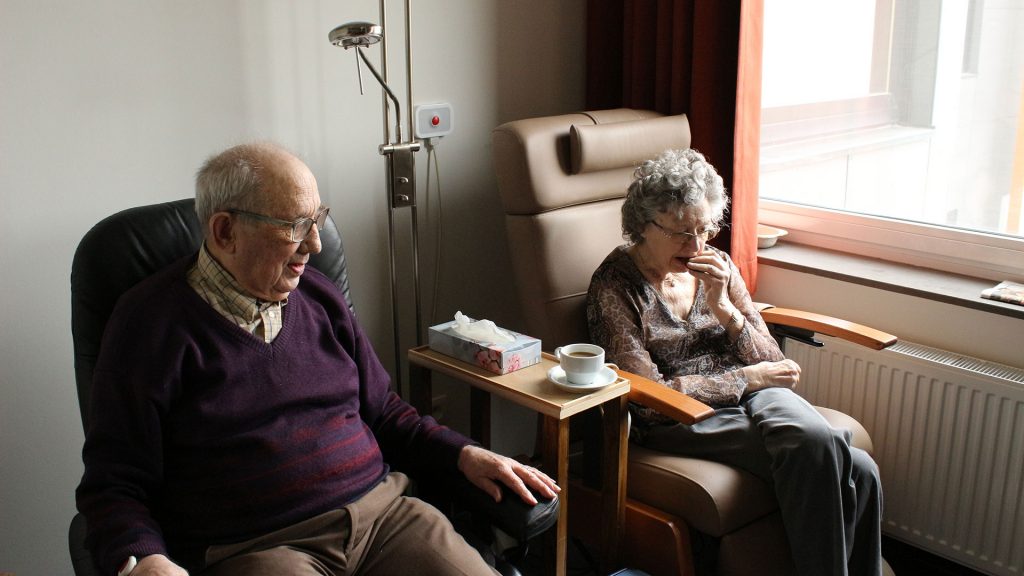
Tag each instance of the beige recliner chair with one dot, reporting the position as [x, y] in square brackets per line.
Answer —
[561, 181]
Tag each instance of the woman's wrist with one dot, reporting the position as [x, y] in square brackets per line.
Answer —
[735, 320]
[750, 376]
[723, 310]
[731, 319]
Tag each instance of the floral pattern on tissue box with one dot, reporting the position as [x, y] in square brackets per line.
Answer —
[499, 358]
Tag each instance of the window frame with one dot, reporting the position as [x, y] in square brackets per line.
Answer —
[973, 253]
[970, 253]
[781, 124]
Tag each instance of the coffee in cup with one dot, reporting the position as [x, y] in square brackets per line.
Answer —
[581, 362]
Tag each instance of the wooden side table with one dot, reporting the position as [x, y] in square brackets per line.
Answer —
[529, 387]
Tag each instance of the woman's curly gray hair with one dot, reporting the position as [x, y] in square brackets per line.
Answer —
[669, 183]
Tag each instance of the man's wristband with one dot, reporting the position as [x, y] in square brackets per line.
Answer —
[127, 566]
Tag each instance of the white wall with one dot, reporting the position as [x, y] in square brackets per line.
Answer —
[112, 104]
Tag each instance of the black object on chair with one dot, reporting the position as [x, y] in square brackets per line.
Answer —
[127, 247]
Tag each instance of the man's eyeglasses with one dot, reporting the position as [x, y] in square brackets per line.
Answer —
[684, 237]
[299, 228]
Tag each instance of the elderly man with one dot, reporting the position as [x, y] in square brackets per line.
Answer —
[242, 423]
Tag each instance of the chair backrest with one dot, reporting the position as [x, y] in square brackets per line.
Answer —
[125, 248]
[562, 180]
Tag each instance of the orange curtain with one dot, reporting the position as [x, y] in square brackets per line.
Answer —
[700, 57]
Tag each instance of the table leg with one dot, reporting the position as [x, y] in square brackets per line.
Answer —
[613, 481]
[556, 463]
[480, 416]
[421, 389]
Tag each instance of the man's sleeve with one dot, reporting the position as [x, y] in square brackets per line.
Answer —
[122, 456]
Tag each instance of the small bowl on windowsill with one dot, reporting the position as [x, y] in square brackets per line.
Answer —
[767, 236]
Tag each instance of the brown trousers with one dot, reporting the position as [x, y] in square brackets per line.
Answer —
[382, 533]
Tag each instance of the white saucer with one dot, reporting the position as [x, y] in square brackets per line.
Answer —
[605, 377]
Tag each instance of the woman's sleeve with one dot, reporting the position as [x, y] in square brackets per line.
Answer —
[754, 343]
[615, 320]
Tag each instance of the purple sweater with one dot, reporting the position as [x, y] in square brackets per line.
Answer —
[203, 434]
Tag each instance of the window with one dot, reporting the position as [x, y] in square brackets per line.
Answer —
[894, 128]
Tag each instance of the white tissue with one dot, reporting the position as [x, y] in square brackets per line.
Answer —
[480, 330]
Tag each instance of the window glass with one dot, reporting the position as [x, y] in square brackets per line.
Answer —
[908, 112]
[796, 71]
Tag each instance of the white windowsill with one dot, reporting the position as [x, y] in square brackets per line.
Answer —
[900, 278]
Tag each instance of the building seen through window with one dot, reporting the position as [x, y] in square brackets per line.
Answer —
[884, 120]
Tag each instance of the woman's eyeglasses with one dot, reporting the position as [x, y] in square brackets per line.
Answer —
[299, 228]
[684, 237]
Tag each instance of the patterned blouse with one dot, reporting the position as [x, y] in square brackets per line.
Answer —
[694, 355]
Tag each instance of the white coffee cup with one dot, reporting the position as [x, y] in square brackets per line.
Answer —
[581, 362]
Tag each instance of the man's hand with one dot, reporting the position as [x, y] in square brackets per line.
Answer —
[157, 565]
[483, 467]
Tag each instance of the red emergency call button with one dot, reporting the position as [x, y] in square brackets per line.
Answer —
[432, 121]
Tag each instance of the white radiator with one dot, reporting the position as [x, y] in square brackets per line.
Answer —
[948, 432]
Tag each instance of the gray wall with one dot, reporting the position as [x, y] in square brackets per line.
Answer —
[112, 104]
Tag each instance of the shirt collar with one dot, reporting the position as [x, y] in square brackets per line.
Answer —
[229, 294]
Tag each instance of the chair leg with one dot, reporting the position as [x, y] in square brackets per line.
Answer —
[652, 541]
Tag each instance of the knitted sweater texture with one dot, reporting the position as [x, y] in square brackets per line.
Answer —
[201, 433]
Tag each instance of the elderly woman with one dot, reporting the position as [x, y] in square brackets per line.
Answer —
[671, 308]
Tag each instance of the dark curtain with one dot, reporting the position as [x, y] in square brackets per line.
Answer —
[699, 57]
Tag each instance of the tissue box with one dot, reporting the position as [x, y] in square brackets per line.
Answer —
[498, 358]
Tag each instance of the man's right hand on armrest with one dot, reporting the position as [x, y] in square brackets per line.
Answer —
[157, 565]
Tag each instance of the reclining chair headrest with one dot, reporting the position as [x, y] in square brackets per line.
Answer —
[599, 147]
[548, 163]
[562, 180]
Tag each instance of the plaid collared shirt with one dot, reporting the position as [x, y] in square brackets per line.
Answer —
[219, 289]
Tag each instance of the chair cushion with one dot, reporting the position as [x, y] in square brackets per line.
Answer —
[762, 544]
[713, 498]
[837, 419]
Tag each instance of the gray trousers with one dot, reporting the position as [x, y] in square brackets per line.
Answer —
[382, 533]
[830, 494]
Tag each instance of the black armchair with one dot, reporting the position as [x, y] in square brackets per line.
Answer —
[127, 247]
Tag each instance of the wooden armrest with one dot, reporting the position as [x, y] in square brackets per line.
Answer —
[671, 403]
[856, 333]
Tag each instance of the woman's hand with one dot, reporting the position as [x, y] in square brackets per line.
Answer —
[714, 272]
[781, 374]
